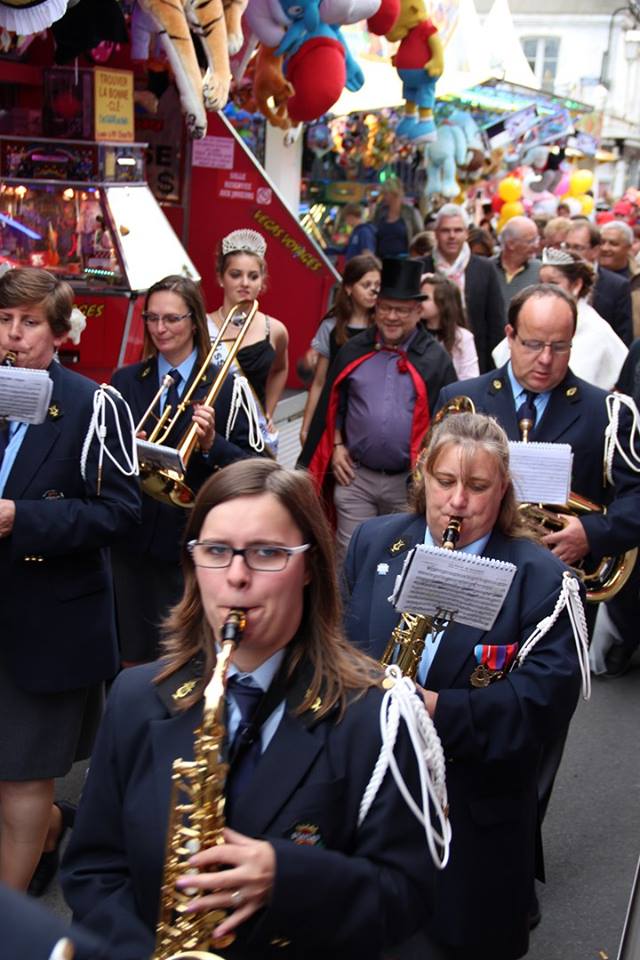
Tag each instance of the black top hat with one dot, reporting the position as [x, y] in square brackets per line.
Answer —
[401, 280]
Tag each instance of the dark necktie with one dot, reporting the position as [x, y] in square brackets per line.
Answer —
[246, 747]
[172, 397]
[4, 438]
[526, 414]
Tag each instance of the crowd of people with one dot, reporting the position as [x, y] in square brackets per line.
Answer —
[111, 581]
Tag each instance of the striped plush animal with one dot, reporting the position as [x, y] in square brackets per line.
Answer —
[174, 19]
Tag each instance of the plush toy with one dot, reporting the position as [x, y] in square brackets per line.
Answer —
[270, 84]
[174, 22]
[441, 157]
[317, 60]
[419, 62]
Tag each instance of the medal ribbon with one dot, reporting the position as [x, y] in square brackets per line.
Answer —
[495, 656]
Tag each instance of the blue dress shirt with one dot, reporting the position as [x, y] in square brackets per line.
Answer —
[184, 369]
[17, 433]
[260, 677]
[540, 400]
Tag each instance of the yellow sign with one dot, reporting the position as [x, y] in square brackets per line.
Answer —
[113, 105]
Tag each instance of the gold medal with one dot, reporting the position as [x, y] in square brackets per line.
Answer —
[482, 676]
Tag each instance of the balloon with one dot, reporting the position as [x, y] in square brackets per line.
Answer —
[574, 205]
[546, 208]
[512, 209]
[510, 190]
[563, 187]
[579, 182]
[587, 203]
[497, 203]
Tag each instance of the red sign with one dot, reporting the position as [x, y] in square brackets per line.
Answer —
[230, 190]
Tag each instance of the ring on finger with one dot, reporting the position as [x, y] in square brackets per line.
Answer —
[237, 899]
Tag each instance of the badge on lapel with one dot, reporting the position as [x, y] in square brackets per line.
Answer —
[306, 835]
[54, 412]
[184, 690]
[496, 385]
[398, 546]
[493, 662]
[145, 372]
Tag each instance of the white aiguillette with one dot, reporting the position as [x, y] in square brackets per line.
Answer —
[454, 586]
[24, 394]
[541, 471]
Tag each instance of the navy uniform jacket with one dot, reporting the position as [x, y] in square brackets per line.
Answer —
[30, 931]
[56, 602]
[576, 414]
[340, 891]
[162, 524]
[612, 300]
[491, 736]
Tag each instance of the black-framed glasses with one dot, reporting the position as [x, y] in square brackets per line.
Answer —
[170, 319]
[557, 347]
[265, 557]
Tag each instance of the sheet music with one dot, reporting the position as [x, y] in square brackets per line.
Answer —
[453, 585]
[541, 471]
[156, 456]
[24, 394]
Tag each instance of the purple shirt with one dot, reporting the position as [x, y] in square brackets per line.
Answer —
[379, 412]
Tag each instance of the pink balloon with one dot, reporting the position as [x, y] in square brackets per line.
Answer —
[563, 186]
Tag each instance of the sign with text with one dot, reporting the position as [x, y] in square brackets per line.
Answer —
[230, 190]
[113, 105]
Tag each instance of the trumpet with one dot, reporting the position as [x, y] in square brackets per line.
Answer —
[197, 818]
[407, 640]
[166, 483]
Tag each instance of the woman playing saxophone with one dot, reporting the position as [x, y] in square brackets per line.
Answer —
[296, 876]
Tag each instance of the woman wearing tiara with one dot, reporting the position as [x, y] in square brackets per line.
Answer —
[241, 270]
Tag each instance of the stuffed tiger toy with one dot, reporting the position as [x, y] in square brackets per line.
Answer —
[174, 19]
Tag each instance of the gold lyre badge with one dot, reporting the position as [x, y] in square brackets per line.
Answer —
[184, 689]
[397, 546]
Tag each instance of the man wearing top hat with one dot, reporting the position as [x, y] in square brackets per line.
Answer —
[376, 406]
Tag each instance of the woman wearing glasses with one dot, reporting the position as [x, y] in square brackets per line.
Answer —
[176, 342]
[297, 875]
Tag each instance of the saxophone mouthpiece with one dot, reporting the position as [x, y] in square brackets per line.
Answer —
[234, 625]
[451, 533]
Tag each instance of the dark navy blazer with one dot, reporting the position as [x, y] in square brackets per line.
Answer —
[576, 414]
[162, 524]
[56, 602]
[346, 893]
[491, 736]
[612, 300]
[30, 931]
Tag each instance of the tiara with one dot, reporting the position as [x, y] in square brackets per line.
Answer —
[245, 241]
[552, 257]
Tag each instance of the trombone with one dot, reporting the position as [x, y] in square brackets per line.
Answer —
[162, 468]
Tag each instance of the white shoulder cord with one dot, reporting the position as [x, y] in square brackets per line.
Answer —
[569, 598]
[401, 701]
[611, 442]
[242, 398]
[98, 427]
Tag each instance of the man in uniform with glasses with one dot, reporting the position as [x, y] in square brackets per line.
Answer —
[537, 385]
[376, 405]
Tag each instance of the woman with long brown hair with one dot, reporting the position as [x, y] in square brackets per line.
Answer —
[351, 313]
[176, 343]
[302, 874]
[444, 316]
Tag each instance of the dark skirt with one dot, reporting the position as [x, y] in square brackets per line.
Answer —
[43, 734]
[145, 589]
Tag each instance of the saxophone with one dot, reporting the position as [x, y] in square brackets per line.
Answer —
[197, 818]
[406, 643]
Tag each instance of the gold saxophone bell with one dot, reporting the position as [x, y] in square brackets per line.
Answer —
[196, 819]
[408, 638]
[166, 484]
